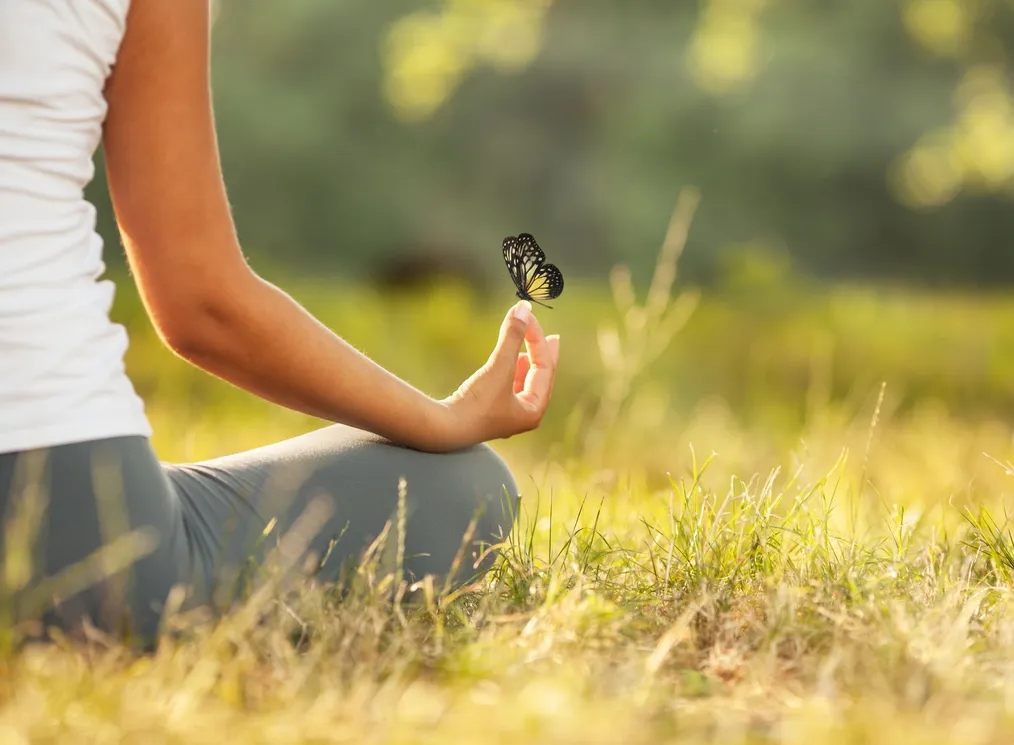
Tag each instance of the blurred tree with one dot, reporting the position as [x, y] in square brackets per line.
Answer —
[865, 139]
[428, 52]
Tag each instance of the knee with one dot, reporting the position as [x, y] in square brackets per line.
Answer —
[497, 493]
[496, 510]
[457, 521]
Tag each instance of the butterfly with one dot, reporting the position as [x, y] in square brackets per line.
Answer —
[535, 279]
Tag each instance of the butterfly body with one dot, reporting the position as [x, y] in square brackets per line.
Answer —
[535, 279]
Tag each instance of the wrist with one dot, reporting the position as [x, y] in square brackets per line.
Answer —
[448, 426]
[440, 429]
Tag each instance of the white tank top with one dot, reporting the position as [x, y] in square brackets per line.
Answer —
[62, 377]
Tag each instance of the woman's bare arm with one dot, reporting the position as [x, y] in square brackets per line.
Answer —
[212, 309]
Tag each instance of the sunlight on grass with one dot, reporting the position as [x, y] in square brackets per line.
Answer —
[782, 606]
[791, 528]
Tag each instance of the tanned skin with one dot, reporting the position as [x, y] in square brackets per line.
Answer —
[209, 306]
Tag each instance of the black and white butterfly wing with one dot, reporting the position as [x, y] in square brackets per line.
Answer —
[546, 283]
[535, 279]
[523, 258]
[512, 258]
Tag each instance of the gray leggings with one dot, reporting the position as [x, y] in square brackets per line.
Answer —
[316, 501]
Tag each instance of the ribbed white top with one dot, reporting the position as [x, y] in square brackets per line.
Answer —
[62, 377]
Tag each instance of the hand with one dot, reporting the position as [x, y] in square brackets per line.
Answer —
[509, 394]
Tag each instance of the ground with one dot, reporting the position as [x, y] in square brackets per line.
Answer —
[789, 527]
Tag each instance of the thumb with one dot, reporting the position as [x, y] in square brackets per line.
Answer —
[512, 335]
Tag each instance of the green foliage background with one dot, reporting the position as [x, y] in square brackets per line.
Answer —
[796, 527]
[854, 139]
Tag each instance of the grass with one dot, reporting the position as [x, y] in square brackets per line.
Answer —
[794, 606]
[761, 543]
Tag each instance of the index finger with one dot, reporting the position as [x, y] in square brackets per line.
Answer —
[538, 348]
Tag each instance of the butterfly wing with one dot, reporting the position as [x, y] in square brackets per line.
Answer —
[512, 258]
[535, 279]
[546, 283]
[523, 258]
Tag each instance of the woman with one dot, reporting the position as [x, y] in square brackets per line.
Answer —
[136, 75]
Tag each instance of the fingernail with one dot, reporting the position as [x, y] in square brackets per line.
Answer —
[523, 311]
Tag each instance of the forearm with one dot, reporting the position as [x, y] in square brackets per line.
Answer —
[166, 184]
[264, 342]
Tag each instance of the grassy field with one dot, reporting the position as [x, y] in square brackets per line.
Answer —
[787, 526]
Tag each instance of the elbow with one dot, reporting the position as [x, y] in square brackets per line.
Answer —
[196, 328]
[184, 340]
[185, 334]
[209, 321]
